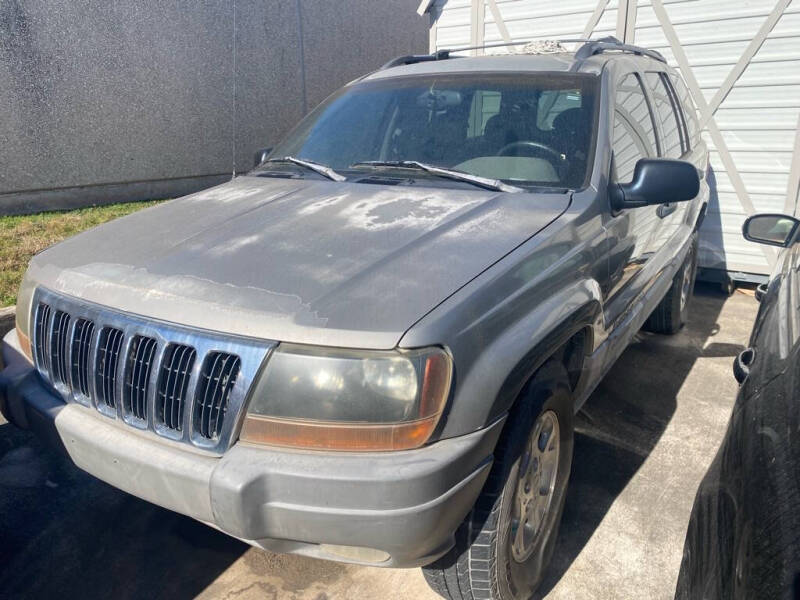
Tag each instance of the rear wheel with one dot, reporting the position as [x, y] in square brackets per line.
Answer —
[673, 311]
[506, 542]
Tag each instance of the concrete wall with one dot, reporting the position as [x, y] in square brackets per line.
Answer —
[107, 101]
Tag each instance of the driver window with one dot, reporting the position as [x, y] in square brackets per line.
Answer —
[634, 132]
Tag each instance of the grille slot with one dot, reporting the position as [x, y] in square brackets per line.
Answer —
[43, 316]
[108, 349]
[137, 376]
[81, 345]
[217, 379]
[59, 347]
[176, 369]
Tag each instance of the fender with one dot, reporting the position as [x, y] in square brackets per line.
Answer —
[489, 376]
[523, 348]
[581, 320]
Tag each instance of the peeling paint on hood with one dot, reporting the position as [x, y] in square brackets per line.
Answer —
[304, 261]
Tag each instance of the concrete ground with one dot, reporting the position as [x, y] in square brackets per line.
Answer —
[644, 440]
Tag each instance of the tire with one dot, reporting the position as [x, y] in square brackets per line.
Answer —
[488, 561]
[673, 311]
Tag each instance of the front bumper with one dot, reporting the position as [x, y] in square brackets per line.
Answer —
[404, 505]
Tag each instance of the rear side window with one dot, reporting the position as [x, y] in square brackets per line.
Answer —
[689, 111]
[671, 146]
[634, 133]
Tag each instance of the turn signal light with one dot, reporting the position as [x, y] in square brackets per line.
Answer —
[24, 344]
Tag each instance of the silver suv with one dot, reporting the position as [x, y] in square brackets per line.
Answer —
[370, 348]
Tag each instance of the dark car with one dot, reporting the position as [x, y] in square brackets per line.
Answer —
[743, 539]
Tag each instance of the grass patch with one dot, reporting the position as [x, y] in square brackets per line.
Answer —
[23, 236]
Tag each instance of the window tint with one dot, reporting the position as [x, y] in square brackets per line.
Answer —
[634, 136]
[689, 111]
[671, 146]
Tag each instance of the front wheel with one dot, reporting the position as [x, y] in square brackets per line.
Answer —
[506, 542]
[673, 311]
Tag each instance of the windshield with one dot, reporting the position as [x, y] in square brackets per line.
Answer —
[522, 129]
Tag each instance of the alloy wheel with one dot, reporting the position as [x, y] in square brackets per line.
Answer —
[538, 469]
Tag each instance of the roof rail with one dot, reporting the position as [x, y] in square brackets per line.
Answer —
[587, 50]
[445, 53]
[593, 47]
[416, 58]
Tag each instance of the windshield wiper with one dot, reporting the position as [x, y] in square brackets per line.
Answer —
[484, 182]
[323, 170]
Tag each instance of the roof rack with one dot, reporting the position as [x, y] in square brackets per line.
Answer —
[590, 48]
[445, 54]
[587, 50]
[416, 58]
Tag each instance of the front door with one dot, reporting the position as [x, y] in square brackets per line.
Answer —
[633, 233]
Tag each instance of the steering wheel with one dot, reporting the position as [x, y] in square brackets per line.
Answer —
[555, 157]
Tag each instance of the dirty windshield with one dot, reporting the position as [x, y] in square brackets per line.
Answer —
[522, 129]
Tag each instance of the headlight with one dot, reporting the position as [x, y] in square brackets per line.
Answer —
[348, 400]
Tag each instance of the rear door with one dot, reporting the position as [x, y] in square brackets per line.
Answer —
[632, 232]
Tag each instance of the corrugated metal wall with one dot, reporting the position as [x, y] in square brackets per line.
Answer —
[741, 61]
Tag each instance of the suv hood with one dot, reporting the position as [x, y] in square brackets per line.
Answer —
[302, 261]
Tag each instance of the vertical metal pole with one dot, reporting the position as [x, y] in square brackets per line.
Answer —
[476, 25]
[793, 191]
[630, 22]
[626, 20]
[622, 16]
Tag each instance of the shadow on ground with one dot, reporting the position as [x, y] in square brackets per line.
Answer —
[65, 533]
[622, 421]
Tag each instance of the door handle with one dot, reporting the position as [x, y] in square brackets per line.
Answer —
[666, 209]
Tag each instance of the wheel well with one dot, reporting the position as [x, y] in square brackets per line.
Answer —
[701, 216]
[568, 343]
[572, 355]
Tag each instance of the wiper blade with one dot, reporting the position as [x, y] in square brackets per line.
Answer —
[484, 182]
[323, 170]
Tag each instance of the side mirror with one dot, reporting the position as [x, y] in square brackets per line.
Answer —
[775, 230]
[656, 181]
[261, 156]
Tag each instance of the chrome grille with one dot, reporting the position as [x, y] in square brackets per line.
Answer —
[137, 376]
[81, 345]
[59, 343]
[176, 369]
[108, 350]
[43, 316]
[170, 381]
[217, 379]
